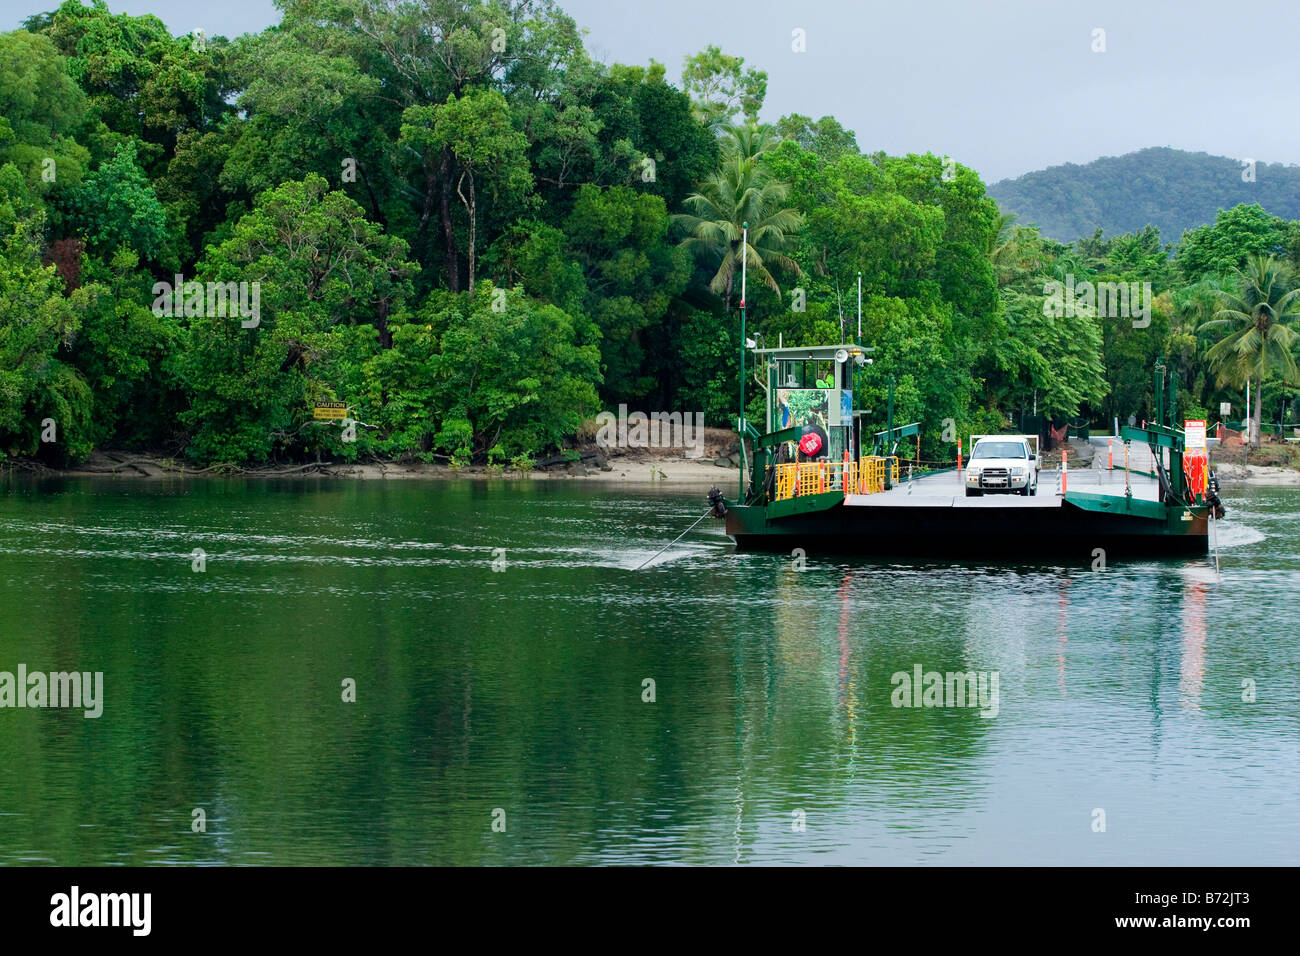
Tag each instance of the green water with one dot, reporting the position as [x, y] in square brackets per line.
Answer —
[521, 690]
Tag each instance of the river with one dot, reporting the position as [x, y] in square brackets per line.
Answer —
[524, 695]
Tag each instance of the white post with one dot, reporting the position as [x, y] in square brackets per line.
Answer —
[859, 308]
[744, 263]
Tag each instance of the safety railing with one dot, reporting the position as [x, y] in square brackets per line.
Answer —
[866, 477]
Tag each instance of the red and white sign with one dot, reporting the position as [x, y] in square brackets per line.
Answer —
[1194, 435]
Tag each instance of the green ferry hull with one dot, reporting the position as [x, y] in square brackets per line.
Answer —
[1074, 529]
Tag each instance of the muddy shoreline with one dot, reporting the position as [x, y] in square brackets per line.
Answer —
[626, 468]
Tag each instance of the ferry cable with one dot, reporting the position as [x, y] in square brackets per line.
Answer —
[675, 540]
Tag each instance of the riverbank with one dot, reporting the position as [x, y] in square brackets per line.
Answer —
[642, 467]
[652, 467]
[1233, 474]
[1273, 463]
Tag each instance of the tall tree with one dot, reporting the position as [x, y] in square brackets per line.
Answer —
[1259, 343]
[721, 87]
[620, 239]
[476, 131]
[320, 269]
[749, 141]
[1235, 235]
[140, 80]
[116, 206]
[425, 51]
[40, 110]
[38, 387]
[825, 138]
[741, 192]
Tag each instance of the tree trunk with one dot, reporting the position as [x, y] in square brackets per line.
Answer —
[471, 207]
[430, 181]
[1253, 435]
[377, 212]
[381, 323]
[449, 233]
[473, 228]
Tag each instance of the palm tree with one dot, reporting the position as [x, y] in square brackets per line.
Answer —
[1003, 231]
[749, 140]
[741, 191]
[1069, 263]
[1013, 250]
[1196, 304]
[1258, 347]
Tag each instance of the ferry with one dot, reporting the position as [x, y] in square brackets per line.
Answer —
[814, 477]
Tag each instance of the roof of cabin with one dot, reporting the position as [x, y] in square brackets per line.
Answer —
[815, 353]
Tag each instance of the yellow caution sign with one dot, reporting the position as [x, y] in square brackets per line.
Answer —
[333, 411]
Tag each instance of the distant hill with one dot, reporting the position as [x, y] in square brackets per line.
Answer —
[1169, 188]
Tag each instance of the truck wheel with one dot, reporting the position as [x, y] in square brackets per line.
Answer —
[1034, 490]
[973, 494]
[1024, 492]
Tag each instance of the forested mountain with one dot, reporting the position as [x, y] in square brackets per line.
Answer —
[1171, 189]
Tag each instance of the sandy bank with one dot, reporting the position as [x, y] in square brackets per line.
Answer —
[624, 470]
[650, 470]
[1231, 474]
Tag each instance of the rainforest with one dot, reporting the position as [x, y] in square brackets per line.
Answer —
[477, 236]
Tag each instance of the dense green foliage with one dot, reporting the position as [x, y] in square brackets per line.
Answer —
[1170, 189]
[448, 217]
[1260, 344]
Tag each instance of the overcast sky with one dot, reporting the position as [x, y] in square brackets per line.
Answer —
[1005, 87]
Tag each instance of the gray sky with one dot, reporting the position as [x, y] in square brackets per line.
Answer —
[1005, 87]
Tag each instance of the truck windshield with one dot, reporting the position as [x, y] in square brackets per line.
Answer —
[998, 449]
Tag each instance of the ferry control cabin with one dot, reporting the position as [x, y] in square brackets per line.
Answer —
[815, 439]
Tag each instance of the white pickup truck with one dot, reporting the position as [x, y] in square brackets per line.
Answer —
[1002, 463]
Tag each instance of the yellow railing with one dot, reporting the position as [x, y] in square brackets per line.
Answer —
[865, 477]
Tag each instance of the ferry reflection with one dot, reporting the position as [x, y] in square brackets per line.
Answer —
[1191, 672]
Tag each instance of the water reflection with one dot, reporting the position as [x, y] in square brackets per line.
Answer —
[1192, 667]
[1062, 604]
[522, 690]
